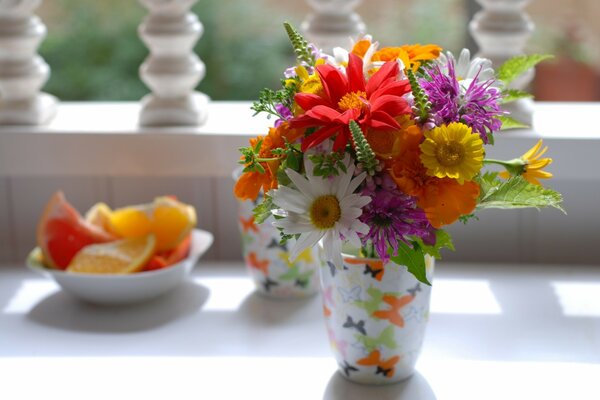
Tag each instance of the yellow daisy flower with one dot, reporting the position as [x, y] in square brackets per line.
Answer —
[452, 151]
[533, 165]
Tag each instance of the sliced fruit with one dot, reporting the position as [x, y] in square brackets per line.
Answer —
[167, 258]
[62, 232]
[119, 257]
[99, 215]
[155, 263]
[168, 219]
[181, 251]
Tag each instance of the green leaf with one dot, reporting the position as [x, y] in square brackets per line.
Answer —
[487, 182]
[413, 258]
[510, 95]
[466, 218]
[516, 192]
[442, 240]
[263, 210]
[518, 65]
[510, 123]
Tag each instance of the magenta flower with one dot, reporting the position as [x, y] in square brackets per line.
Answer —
[392, 216]
[474, 103]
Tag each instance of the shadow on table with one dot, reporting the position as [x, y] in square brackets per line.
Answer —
[414, 388]
[62, 311]
[263, 310]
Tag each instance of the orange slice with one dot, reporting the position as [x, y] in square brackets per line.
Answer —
[120, 257]
[168, 219]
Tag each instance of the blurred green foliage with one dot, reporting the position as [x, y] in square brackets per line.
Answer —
[94, 50]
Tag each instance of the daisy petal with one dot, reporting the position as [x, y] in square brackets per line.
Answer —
[305, 241]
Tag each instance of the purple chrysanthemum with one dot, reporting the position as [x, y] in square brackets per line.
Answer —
[477, 104]
[286, 114]
[392, 216]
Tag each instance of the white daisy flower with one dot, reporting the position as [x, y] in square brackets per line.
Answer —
[322, 208]
[467, 69]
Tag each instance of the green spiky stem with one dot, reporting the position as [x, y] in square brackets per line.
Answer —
[364, 153]
[299, 44]
[422, 105]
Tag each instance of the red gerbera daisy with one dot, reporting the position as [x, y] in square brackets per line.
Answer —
[374, 104]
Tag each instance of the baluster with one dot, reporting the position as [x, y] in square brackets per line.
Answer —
[172, 70]
[501, 30]
[22, 71]
[333, 23]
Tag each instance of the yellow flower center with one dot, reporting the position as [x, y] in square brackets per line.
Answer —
[353, 100]
[325, 211]
[450, 154]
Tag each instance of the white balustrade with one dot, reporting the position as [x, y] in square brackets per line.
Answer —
[333, 23]
[172, 70]
[501, 30]
[22, 71]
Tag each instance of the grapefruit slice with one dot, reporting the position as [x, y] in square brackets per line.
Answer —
[62, 232]
[165, 259]
[169, 220]
[119, 257]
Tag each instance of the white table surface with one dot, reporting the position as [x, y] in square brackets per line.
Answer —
[495, 332]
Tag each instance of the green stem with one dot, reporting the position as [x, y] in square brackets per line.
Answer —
[514, 167]
[258, 159]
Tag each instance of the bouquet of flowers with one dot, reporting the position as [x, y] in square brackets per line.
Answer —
[382, 147]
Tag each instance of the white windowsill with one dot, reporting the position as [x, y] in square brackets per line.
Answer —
[103, 139]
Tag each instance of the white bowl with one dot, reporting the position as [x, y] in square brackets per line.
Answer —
[126, 289]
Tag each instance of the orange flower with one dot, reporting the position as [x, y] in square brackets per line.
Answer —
[442, 199]
[250, 183]
[360, 48]
[388, 144]
[411, 54]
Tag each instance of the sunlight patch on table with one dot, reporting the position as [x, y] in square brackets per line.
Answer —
[226, 293]
[463, 296]
[28, 295]
[578, 299]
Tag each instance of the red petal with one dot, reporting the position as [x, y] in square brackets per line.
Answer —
[389, 70]
[381, 120]
[318, 136]
[333, 81]
[341, 140]
[324, 114]
[347, 116]
[306, 101]
[395, 88]
[303, 121]
[356, 78]
[392, 105]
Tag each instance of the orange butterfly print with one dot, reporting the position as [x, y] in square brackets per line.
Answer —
[386, 368]
[373, 267]
[393, 314]
[248, 224]
[254, 262]
[326, 311]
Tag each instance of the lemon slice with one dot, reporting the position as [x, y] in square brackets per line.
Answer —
[168, 219]
[120, 257]
[99, 215]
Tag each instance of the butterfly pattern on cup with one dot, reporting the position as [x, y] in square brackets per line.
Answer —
[379, 313]
[267, 259]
